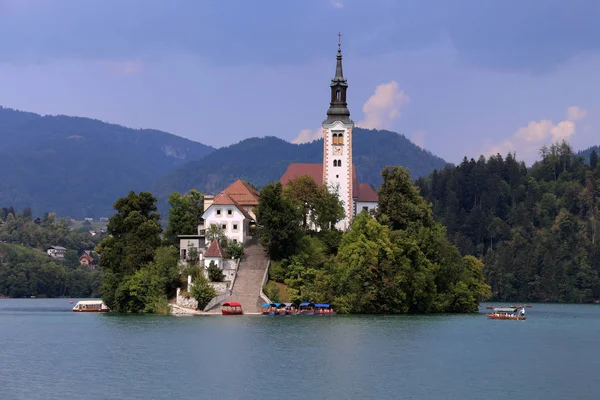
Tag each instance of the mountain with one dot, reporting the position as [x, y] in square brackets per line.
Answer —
[77, 166]
[586, 153]
[263, 160]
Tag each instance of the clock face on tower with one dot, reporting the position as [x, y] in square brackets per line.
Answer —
[337, 150]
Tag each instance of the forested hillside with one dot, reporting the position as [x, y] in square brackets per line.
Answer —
[78, 166]
[537, 229]
[26, 270]
[263, 160]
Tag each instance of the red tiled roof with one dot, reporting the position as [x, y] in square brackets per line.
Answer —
[315, 171]
[214, 250]
[223, 199]
[366, 193]
[295, 171]
[86, 257]
[243, 193]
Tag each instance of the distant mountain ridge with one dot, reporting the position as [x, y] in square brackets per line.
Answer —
[79, 166]
[263, 160]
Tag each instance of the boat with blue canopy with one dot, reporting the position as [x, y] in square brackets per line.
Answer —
[323, 309]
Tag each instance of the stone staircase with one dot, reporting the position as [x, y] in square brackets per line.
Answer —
[249, 280]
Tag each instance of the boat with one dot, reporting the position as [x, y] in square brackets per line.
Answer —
[91, 306]
[324, 309]
[512, 313]
[306, 308]
[231, 308]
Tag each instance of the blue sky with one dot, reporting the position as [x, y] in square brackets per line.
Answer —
[460, 78]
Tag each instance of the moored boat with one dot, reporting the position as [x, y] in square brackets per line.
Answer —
[324, 309]
[512, 313]
[91, 306]
[231, 308]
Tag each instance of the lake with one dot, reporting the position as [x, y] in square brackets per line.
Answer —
[48, 352]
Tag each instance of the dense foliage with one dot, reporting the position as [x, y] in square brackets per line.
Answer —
[78, 166]
[25, 268]
[536, 229]
[139, 274]
[398, 262]
[185, 214]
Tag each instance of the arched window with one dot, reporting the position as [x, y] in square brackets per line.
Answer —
[335, 163]
[339, 163]
[335, 138]
[340, 138]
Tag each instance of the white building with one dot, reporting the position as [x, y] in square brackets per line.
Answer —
[337, 170]
[56, 252]
[230, 216]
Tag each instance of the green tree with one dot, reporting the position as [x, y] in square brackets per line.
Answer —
[400, 202]
[202, 291]
[215, 274]
[133, 237]
[328, 209]
[303, 192]
[216, 232]
[234, 249]
[279, 222]
[593, 160]
[185, 215]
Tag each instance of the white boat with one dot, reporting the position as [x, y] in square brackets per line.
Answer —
[91, 306]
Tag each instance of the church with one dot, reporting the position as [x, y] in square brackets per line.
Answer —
[337, 170]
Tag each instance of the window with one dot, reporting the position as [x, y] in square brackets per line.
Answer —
[335, 138]
[339, 163]
[340, 138]
[235, 226]
[335, 163]
[338, 95]
[229, 212]
[365, 208]
[218, 211]
[224, 226]
[337, 176]
[234, 240]
[183, 254]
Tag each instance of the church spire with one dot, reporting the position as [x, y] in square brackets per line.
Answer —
[338, 108]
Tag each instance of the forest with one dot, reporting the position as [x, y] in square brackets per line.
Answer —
[26, 270]
[536, 229]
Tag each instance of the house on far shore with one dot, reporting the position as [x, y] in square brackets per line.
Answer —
[56, 252]
[87, 260]
[103, 219]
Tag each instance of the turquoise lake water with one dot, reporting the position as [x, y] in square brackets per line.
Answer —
[49, 352]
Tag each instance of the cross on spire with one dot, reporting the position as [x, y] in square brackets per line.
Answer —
[339, 39]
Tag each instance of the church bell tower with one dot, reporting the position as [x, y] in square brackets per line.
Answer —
[337, 143]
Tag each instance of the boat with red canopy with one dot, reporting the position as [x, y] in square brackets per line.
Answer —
[231, 308]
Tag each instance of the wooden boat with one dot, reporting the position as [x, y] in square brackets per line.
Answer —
[324, 310]
[306, 308]
[231, 308]
[511, 313]
[91, 306]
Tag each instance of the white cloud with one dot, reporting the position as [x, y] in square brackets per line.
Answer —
[308, 135]
[418, 138]
[526, 141]
[380, 110]
[383, 106]
[337, 4]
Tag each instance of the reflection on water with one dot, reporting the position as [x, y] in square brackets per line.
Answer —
[49, 352]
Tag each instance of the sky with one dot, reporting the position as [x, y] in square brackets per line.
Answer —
[459, 78]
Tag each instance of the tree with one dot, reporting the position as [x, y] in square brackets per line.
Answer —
[184, 216]
[593, 160]
[216, 232]
[303, 192]
[133, 237]
[215, 274]
[234, 249]
[279, 222]
[202, 291]
[328, 209]
[400, 201]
